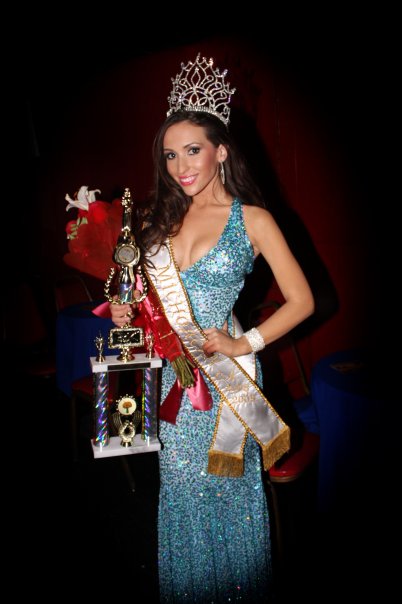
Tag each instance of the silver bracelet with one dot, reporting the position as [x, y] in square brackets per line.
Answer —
[255, 339]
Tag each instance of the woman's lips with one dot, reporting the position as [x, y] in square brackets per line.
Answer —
[185, 181]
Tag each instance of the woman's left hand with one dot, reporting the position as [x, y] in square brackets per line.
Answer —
[218, 340]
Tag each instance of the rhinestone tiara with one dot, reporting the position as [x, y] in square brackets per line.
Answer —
[200, 87]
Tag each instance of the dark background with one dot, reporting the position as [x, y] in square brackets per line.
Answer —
[342, 66]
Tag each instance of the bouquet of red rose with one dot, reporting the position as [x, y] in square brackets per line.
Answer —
[93, 234]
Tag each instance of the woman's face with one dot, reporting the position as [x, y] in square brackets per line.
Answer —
[191, 159]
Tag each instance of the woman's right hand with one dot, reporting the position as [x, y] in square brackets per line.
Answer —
[121, 314]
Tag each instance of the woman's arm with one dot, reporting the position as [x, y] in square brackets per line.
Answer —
[268, 240]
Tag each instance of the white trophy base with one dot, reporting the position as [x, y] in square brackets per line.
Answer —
[114, 448]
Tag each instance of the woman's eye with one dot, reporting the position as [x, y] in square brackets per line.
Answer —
[170, 155]
[194, 150]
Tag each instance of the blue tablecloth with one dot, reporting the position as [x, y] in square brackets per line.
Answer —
[76, 330]
[351, 415]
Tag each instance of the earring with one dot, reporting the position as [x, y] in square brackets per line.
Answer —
[222, 172]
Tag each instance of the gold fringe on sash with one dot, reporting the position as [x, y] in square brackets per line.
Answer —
[231, 464]
[277, 447]
[225, 464]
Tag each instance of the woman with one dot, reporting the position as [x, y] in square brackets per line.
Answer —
[205, 226]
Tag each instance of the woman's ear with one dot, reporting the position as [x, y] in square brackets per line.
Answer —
[222, 153]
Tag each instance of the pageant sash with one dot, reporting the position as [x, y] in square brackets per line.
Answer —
[243, 408]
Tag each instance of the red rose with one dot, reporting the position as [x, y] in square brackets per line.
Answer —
[98, 211]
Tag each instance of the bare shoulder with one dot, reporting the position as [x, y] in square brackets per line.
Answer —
[257, 220]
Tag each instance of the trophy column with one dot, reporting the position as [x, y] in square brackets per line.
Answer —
[150, 412]
[101, 387]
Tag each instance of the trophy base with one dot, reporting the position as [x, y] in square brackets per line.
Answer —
[114, 449]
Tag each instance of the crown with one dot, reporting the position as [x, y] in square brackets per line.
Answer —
[200, 87]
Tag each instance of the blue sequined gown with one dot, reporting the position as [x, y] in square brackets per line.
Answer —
[213, 532]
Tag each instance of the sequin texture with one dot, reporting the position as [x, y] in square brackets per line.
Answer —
[214, 539]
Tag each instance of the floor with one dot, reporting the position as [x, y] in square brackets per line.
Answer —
[79, 525]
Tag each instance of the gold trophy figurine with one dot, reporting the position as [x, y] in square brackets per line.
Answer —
[127, 257]
[99, 343]
[149, 345]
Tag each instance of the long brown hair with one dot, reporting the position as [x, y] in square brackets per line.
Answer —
[164, 211]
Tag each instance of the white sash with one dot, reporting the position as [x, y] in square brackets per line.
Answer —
[243, 408]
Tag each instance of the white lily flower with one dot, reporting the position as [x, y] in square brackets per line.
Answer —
[83, 198]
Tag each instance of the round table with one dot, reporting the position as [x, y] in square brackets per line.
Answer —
[76, 330]
[351, 415]
[359, 503]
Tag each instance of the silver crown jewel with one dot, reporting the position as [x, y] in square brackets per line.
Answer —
[200, 87]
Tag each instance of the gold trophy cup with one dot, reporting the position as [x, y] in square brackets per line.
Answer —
[127, 257]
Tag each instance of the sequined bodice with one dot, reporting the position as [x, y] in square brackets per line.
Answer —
[214, 282]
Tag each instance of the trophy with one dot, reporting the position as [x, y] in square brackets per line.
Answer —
[149, 345]
[126, 419]
[127, 256]
[99, 343]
